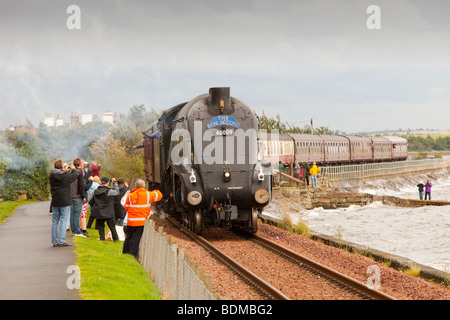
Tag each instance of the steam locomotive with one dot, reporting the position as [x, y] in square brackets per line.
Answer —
[214, 167]
[205, 161]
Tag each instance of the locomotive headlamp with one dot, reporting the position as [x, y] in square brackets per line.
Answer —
[226, 175]
[260, 174]
[192, 177]
[194, 198]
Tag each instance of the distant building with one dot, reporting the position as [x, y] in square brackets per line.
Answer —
[77, 121]
[74, 120]
[108, 117]
[59, 122]
[86, 118]
[49, 120]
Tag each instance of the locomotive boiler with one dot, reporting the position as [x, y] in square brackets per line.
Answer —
[206, 162]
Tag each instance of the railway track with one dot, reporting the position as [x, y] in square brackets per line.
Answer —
[350, 283]
[325, 274]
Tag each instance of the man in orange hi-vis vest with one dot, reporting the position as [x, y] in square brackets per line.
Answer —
[138, 205]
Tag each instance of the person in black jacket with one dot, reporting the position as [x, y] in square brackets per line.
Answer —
[102, 205]
[78, 198]
[421, 186]
[119, 210]
[60, 180]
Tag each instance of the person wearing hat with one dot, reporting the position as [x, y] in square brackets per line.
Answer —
[102, 206]
[421, 186]
[157, 134]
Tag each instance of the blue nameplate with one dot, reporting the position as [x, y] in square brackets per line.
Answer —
[223, 121]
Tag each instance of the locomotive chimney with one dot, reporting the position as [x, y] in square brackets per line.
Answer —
[219, 101]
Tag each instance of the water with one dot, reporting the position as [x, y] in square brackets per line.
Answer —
[420, 234]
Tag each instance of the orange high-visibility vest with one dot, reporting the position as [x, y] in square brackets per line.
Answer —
[138, 205]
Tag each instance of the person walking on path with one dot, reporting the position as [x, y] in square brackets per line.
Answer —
[421, 186]
[314, 171]
[138, 205]
[428, 186]
[60, 181]
[102, 204]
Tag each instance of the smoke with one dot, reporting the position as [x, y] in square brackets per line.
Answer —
[24, 167]
[71, 143]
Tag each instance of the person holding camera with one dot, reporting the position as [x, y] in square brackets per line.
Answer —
[60, 179]
[102, 205]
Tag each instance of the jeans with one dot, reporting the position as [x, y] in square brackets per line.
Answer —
[313, 180]
[421, 195]
[60, 215]
[428, 194]
[75, 214]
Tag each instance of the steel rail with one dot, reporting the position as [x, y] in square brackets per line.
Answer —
[260, 283]
[342, 278]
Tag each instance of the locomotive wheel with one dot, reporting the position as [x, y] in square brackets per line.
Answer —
[254, 221]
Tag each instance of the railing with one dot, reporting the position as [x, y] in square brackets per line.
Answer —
[372, 170]
[169, 268]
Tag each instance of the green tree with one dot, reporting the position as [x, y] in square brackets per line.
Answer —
[270, 124]
[116, 160]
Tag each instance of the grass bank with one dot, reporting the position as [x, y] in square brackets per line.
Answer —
[107, 274]
[8, 207]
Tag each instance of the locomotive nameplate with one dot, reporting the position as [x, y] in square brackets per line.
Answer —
[223, 121]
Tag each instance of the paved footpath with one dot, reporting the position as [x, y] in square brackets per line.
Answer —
[30, 267]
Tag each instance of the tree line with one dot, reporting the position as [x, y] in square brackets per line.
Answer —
[428, 143]
[27, 155]
[274, 123]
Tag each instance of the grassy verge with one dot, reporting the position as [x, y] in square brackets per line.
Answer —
[8, 207]
[107, 274]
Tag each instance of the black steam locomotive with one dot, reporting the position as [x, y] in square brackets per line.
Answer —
[205, 160]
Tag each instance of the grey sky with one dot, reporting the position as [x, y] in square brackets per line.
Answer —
[299, 59]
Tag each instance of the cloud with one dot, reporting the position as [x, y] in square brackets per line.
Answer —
[287, 57]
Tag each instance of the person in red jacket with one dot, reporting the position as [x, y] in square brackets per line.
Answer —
[138, 205]
[95, 169]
